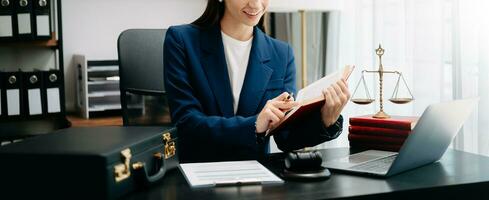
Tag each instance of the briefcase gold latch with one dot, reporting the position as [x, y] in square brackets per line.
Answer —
[122, 171]
[169, 146]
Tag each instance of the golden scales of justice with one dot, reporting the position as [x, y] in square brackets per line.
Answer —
[394, 99]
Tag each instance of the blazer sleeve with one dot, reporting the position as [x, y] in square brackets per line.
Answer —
[186, 111]
[309, 131]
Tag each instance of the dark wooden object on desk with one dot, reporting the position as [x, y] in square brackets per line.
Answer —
[77, 121]
[458, 175]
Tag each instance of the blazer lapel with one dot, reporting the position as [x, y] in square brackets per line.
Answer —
[257, 75]
[215, 67]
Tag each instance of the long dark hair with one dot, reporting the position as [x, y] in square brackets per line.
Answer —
[213, 14]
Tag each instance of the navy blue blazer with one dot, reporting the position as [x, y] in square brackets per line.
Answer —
[201, 101]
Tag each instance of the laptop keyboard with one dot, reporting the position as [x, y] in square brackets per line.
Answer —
[379, 166]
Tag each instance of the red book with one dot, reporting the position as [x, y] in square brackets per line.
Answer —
[385, 147]
[395, 122]
[310, 99]
[365, 130]
[374, 139]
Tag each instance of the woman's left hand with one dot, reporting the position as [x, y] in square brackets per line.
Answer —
[335, 99]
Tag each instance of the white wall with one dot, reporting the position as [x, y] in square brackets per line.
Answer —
[91, 27]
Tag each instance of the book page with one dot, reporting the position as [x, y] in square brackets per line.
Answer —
[315, 90]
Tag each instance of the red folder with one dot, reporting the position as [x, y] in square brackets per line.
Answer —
[306, 106]
[395, 122]
[389, 132]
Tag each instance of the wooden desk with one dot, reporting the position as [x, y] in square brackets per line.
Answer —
[77, 121]
[458, 175]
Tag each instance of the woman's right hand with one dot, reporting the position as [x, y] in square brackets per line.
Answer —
[273, 112]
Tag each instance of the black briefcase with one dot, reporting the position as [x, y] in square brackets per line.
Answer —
[87, 163]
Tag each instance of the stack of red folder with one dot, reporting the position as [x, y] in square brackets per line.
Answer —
[381, 134]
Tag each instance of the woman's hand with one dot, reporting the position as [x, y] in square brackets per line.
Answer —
[335, 99]
[273, 112]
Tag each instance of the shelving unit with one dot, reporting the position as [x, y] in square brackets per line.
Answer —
[29, 55]
[97, 86]
[51, 43]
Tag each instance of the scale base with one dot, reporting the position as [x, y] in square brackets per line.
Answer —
[381, 115]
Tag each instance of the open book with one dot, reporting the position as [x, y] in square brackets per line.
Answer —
[311, 98]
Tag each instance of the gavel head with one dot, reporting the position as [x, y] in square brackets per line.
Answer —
[303, 161]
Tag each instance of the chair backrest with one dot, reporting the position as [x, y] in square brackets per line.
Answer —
[143, 96]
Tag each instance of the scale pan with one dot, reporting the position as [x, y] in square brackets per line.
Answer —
[363, 101]
[400, 100]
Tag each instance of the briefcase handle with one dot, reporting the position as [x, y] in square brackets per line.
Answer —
[142, 173]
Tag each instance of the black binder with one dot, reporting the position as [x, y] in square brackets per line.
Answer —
[32, 94]
[42, 18]
[23, 20]
[53, 81]
[6, 20]
[12, 83]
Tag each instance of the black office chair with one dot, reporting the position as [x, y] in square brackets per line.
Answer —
[143, 97]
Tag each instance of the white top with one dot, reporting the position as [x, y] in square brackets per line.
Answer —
[237, 55]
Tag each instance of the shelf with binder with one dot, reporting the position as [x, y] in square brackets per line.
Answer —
[97, 86]
[49, 43]
[31, 103]
[26, 20]
[32, 96]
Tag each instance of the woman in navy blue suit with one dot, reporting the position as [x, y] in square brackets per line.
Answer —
[228, 83]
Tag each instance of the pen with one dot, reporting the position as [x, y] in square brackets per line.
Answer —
[287, 100]
[238, 182]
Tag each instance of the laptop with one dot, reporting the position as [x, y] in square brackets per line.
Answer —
[428, 141]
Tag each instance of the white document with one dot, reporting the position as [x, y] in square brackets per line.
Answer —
[6, 26]
[42, 22]
[53, 102]
[24, 23]
[228, 173]
[13, 102]
[315, 90]
[35, 106]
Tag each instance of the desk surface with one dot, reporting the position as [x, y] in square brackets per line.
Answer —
[457, 175]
